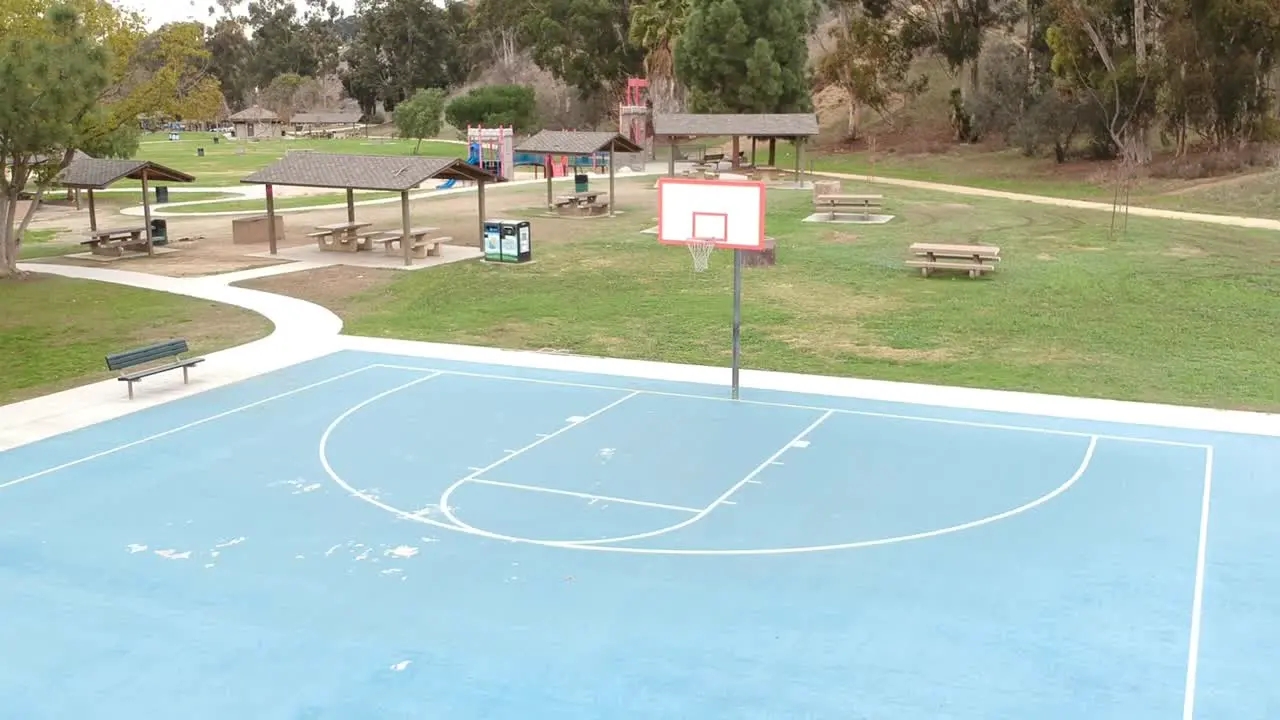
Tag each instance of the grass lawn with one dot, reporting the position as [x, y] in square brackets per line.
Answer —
[39, 244]
[1169, 312]
[55, 331]
[298, 201]
[224, 164]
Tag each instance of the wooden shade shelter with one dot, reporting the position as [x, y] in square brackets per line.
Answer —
[567, 142]
[89, 173]
[796, 127]
[365, 172]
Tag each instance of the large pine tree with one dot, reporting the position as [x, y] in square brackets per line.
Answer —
[746, 56]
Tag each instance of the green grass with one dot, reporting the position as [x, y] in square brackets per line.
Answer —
[223, 164]
[39, 244]
[55, 331]
[1169, 312]
[298, 201]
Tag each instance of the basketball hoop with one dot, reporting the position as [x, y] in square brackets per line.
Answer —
[701, 249]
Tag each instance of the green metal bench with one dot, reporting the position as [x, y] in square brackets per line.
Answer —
[143, 357]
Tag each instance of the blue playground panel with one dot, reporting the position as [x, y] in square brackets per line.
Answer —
[369, 536]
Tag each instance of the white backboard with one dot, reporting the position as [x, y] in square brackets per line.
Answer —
[729, 211]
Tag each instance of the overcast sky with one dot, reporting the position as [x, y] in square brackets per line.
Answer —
[159, 12]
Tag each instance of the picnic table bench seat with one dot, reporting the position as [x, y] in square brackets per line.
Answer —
[115, 240]
[420, 246]
[143, 357]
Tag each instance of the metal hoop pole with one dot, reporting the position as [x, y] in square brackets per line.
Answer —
[737, 317]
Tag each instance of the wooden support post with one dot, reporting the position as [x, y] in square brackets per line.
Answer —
[351, 205]
[737, 147]
[550, 170]
[406, 243]
[671, 161]
[480, 209]
[146, 213]
[271, 220]
[93, 213]
[753, 152]
[612, 197]
[798, 144]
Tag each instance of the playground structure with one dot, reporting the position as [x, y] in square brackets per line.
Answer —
[560, 165]
[492, 150]
[635, 122]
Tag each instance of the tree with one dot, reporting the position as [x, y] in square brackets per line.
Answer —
[41, 46]
[869, 58]
[51, 75]
[746, 56]
[655, 28]
[401, 46]
[584, 43]
[419, 116]
[494, 105]
[229, 50]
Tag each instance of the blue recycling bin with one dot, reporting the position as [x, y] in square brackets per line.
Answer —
[508, 241]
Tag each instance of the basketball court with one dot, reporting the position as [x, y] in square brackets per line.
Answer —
[450, 532]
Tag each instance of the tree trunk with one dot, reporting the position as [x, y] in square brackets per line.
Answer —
[8, 248]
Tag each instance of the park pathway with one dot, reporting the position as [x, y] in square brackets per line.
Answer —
[1229, 220]
[303, 331]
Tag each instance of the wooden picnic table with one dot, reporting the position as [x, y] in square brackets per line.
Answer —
[420, 245]
[113, 241]
[580, 199]
[832, 203]
[974, 259]
[341, 237]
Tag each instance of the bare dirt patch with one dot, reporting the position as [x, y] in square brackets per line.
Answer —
[332, 287]
[1184, 251]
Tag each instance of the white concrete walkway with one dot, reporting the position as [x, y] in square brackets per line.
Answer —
[303, 331]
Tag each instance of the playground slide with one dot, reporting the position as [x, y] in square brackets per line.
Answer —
[473, 158]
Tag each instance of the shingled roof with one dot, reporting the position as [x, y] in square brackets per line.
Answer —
[255, 113]
[327, 118]
[93, 173]
[760, 126]
[567, 142]
[364, 172]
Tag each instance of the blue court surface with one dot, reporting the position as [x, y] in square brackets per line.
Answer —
[371, 536]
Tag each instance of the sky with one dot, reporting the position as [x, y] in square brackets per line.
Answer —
[159, 12]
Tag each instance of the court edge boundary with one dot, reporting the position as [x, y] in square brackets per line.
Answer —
[1122, 412]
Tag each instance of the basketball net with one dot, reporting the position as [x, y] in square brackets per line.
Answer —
[701, 252]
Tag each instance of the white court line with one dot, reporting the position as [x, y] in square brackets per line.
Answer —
[585, 496]
[794, 406]
[180, 428]
[595, 544]
[443, 502]
[1197, 601]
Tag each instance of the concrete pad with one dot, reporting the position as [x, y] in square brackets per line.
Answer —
[373, 258]
[848, 219]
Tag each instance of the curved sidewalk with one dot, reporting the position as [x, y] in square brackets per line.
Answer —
[303, 331]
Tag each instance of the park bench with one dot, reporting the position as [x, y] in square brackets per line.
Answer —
[973, 259]
[141, 358]
[114, 242]
[343, 237]
[833, 203]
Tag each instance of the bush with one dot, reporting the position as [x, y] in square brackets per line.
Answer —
[419, 116]
[494, 105]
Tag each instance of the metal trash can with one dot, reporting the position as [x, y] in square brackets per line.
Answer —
[159, 231]
[217, 139]
[162, 194]
[580, 182]
[199, 152]
[508, 241]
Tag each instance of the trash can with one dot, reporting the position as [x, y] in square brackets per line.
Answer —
[580, 182]
[517, 241]
[159, 231]
[493, 240]
[508, 241]
[217, 139]
[199, 152]
[162, 194]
